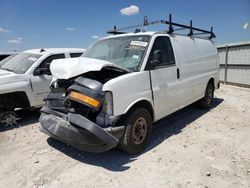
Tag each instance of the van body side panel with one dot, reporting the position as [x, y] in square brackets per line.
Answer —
[167, 88]
[167, 91]
[197, 61]
[128, 89]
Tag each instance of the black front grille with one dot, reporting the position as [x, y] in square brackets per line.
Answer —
[59, 99]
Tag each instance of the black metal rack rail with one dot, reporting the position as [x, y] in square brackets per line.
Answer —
[171, 28]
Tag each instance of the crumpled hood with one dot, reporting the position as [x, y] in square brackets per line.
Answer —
[68, 68]
[7, 77]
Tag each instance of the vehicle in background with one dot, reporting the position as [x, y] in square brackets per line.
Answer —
[4, 55]
[111, 96]
[25, 79]
[7, 58]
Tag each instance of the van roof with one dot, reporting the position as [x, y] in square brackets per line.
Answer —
[150, 33]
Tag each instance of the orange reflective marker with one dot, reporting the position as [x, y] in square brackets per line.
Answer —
[84, 98]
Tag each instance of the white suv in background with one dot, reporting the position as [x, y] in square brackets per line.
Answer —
[25, 79]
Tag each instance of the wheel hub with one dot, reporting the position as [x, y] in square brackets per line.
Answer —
[139, 130]
[9, 119]
[210, 96]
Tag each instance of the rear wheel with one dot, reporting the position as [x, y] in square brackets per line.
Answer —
[206, 101]
[138, 130]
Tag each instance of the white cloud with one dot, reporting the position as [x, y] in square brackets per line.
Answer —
[70, 29]
[95, 37]
[2, 30]
[130, 10]
[245, 26]
[14, 41]
[18, 40]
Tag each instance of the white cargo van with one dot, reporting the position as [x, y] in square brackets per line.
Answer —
[123, 83]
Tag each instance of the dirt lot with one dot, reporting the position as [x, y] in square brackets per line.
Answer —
[192, 148]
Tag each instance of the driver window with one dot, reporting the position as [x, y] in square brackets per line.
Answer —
[163, 45]
[48, 60]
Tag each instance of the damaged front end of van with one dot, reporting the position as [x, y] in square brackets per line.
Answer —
[89, 95]
[77, 110]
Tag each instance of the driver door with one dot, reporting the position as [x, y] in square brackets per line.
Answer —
[40, 81]
[164, 77]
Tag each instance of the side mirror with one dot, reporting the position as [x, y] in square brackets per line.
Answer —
[37, 72]
[157, 58]
[41, 71]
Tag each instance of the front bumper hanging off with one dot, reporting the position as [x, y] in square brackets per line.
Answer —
[78, 131]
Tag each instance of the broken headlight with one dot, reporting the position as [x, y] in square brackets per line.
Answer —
[85, 99]
[107, 106]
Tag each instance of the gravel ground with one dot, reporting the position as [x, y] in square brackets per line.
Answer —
[192, 148]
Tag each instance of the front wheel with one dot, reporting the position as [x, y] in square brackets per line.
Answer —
[206, 101]
[138, 130]
[8, 119]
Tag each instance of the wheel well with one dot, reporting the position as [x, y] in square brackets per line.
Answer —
[14, 100]
[211, 81]
[144, 104]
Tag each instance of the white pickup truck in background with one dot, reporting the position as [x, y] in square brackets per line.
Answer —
[4, 55]
[25, 79]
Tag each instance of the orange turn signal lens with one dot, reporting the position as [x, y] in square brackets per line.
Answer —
[84, 98]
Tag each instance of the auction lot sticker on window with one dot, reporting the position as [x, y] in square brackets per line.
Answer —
[32, 58]
[138, 43]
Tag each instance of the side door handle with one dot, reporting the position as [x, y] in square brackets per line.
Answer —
[178, 73]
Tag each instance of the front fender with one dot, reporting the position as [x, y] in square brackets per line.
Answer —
[23, 86]
[129, 89]
[138, 101]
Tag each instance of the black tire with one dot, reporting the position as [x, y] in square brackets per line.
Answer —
[8, 119]
[138, 124]
[206, 101]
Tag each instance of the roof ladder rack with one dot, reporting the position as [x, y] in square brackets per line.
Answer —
[212, 35]
[191, 29]
[115, 32]
[171, 27]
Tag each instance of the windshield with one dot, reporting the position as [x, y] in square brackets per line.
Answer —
[126, 51]
[20, 63]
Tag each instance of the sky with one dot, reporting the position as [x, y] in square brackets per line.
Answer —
[27, 24]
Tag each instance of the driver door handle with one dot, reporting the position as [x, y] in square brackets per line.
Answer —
[178, 73]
